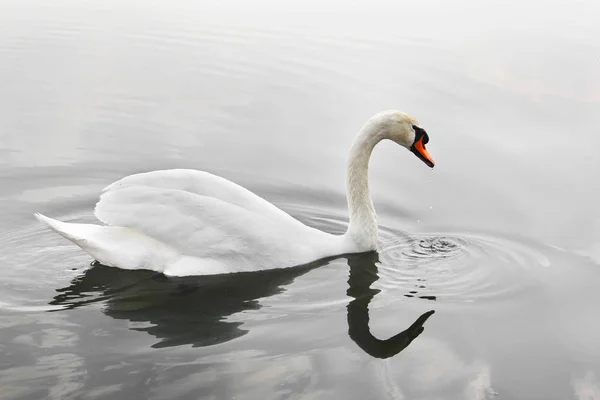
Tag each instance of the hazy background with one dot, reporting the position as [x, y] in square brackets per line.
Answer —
[270, 95]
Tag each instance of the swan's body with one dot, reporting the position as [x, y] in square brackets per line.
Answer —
[186, 222]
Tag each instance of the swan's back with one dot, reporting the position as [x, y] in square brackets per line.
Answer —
[205, 184]
[211, 232]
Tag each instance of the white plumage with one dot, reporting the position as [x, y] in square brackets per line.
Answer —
[185, 222]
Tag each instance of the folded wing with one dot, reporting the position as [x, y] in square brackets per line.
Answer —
[205, 184]
[207, 228]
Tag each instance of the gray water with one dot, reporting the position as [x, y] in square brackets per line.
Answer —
[501, 240]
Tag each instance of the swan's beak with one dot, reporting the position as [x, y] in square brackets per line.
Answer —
[420, 151]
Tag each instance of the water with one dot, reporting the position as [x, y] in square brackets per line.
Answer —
[501, 240]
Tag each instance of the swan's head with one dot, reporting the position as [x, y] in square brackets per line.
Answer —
[404, 130]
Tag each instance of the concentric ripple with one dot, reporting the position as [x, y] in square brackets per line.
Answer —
[463, 268]
[447, 267]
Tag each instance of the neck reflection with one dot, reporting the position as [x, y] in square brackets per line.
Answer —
[363, 273]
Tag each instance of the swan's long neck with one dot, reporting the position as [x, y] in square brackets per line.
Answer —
[362, 229]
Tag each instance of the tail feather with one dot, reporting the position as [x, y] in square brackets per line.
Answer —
[115, 246]
[73, 232]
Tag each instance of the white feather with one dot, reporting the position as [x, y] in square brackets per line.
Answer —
[212, 231]
[204, 184]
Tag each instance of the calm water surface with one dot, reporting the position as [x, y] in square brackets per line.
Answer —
[501, 239]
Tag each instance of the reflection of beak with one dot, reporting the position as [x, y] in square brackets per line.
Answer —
[420, 151]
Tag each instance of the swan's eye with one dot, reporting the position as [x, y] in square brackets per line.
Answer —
[420, 133]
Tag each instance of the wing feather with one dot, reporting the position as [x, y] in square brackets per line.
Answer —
[204, 184]
[208, 228]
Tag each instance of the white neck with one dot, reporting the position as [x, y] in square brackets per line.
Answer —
[362, 229]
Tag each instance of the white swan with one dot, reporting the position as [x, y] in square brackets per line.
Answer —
[186, 222]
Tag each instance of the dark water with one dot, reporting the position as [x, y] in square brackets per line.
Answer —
[501, 240]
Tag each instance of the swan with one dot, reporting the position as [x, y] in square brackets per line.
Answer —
[186, 222]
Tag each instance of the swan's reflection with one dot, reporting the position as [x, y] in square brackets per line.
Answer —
[177, 311]
[363, 273]
[194, 310]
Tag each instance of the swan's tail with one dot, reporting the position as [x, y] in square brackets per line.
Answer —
[76, 233]
[115, 246]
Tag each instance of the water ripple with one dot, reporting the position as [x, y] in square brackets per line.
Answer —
[446, 267]
[456, 268]
[449, 267]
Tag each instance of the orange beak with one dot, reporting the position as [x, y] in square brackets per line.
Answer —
[420, 151]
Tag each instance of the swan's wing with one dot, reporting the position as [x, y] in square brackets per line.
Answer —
[204, 184]
[208, 228]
